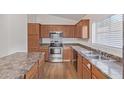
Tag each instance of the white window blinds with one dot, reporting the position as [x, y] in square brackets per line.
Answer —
[109, 31]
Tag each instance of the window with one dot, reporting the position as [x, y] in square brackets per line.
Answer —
[109, 31]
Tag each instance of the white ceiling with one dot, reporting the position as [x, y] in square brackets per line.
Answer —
[75, 17]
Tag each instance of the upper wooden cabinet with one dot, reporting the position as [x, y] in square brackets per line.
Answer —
[82, 29]
[33, 37]
[68, 30]
[34, 29]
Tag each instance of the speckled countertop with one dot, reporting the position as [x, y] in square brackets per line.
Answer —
[16, 65]
[110, 69]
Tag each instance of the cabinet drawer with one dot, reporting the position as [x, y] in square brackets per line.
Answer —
[87, 63]
[97, 74]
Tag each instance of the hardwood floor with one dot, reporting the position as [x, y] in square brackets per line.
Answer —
[64, 70]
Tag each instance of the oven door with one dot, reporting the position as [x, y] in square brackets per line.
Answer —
[55, 54]
[55, 51]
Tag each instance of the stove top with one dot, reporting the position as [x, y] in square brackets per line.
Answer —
[56, 45]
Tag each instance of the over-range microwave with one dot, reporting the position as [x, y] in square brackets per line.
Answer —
[55, 34]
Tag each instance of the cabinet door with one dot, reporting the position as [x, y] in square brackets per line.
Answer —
[67, 53]
[33, 41]
[82, 29]
[97, 74]
[33, 72]
[87, 68]
[78, 30]
[79, 66]
[94, 77]
[45, 49]
[86, 72]
[85, 29]
[41, 68]
[45, 31]
[74, 59]
[33, 37]
[33, 29]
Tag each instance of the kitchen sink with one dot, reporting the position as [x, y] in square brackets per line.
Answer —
[100, 58]
[95, 56]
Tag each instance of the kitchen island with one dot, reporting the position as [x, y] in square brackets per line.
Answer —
[21, 65]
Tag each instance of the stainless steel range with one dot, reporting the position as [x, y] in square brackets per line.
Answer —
[56, 46]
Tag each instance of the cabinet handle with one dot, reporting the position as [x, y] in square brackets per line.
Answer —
[89, 66]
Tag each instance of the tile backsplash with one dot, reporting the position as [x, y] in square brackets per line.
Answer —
[65, 40]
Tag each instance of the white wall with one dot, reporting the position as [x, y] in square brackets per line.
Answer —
[50, 19]
[13, 34]
[17, 38]
[3, 35]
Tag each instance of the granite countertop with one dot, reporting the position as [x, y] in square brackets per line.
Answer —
[47, 44]
[110, 69]
[16, 65]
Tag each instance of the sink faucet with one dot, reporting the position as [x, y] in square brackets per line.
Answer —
[100, 54]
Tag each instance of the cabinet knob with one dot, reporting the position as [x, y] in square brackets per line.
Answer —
[89, 66]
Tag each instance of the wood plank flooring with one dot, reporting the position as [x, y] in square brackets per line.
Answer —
[64, 70]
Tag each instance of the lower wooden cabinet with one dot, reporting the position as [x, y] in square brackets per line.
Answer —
[83, 68]
[86, 69]
[94, 77]
[41, 69]
[96, 74]
[46, 50]
[33, 72]
[36, 71]
[67, 53]
[79, 67]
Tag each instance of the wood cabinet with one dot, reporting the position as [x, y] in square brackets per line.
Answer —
[82, 29]
[41, 69]
[68, 30]
[45, 49]
[33, 37]
[67, 54]
[96, 74]
[78, 30]
[74, 58]
[83, 68]
[79, 67]
[33, 72]
[36, 71]
[86, 66]
[85, 29]
[86, 70]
